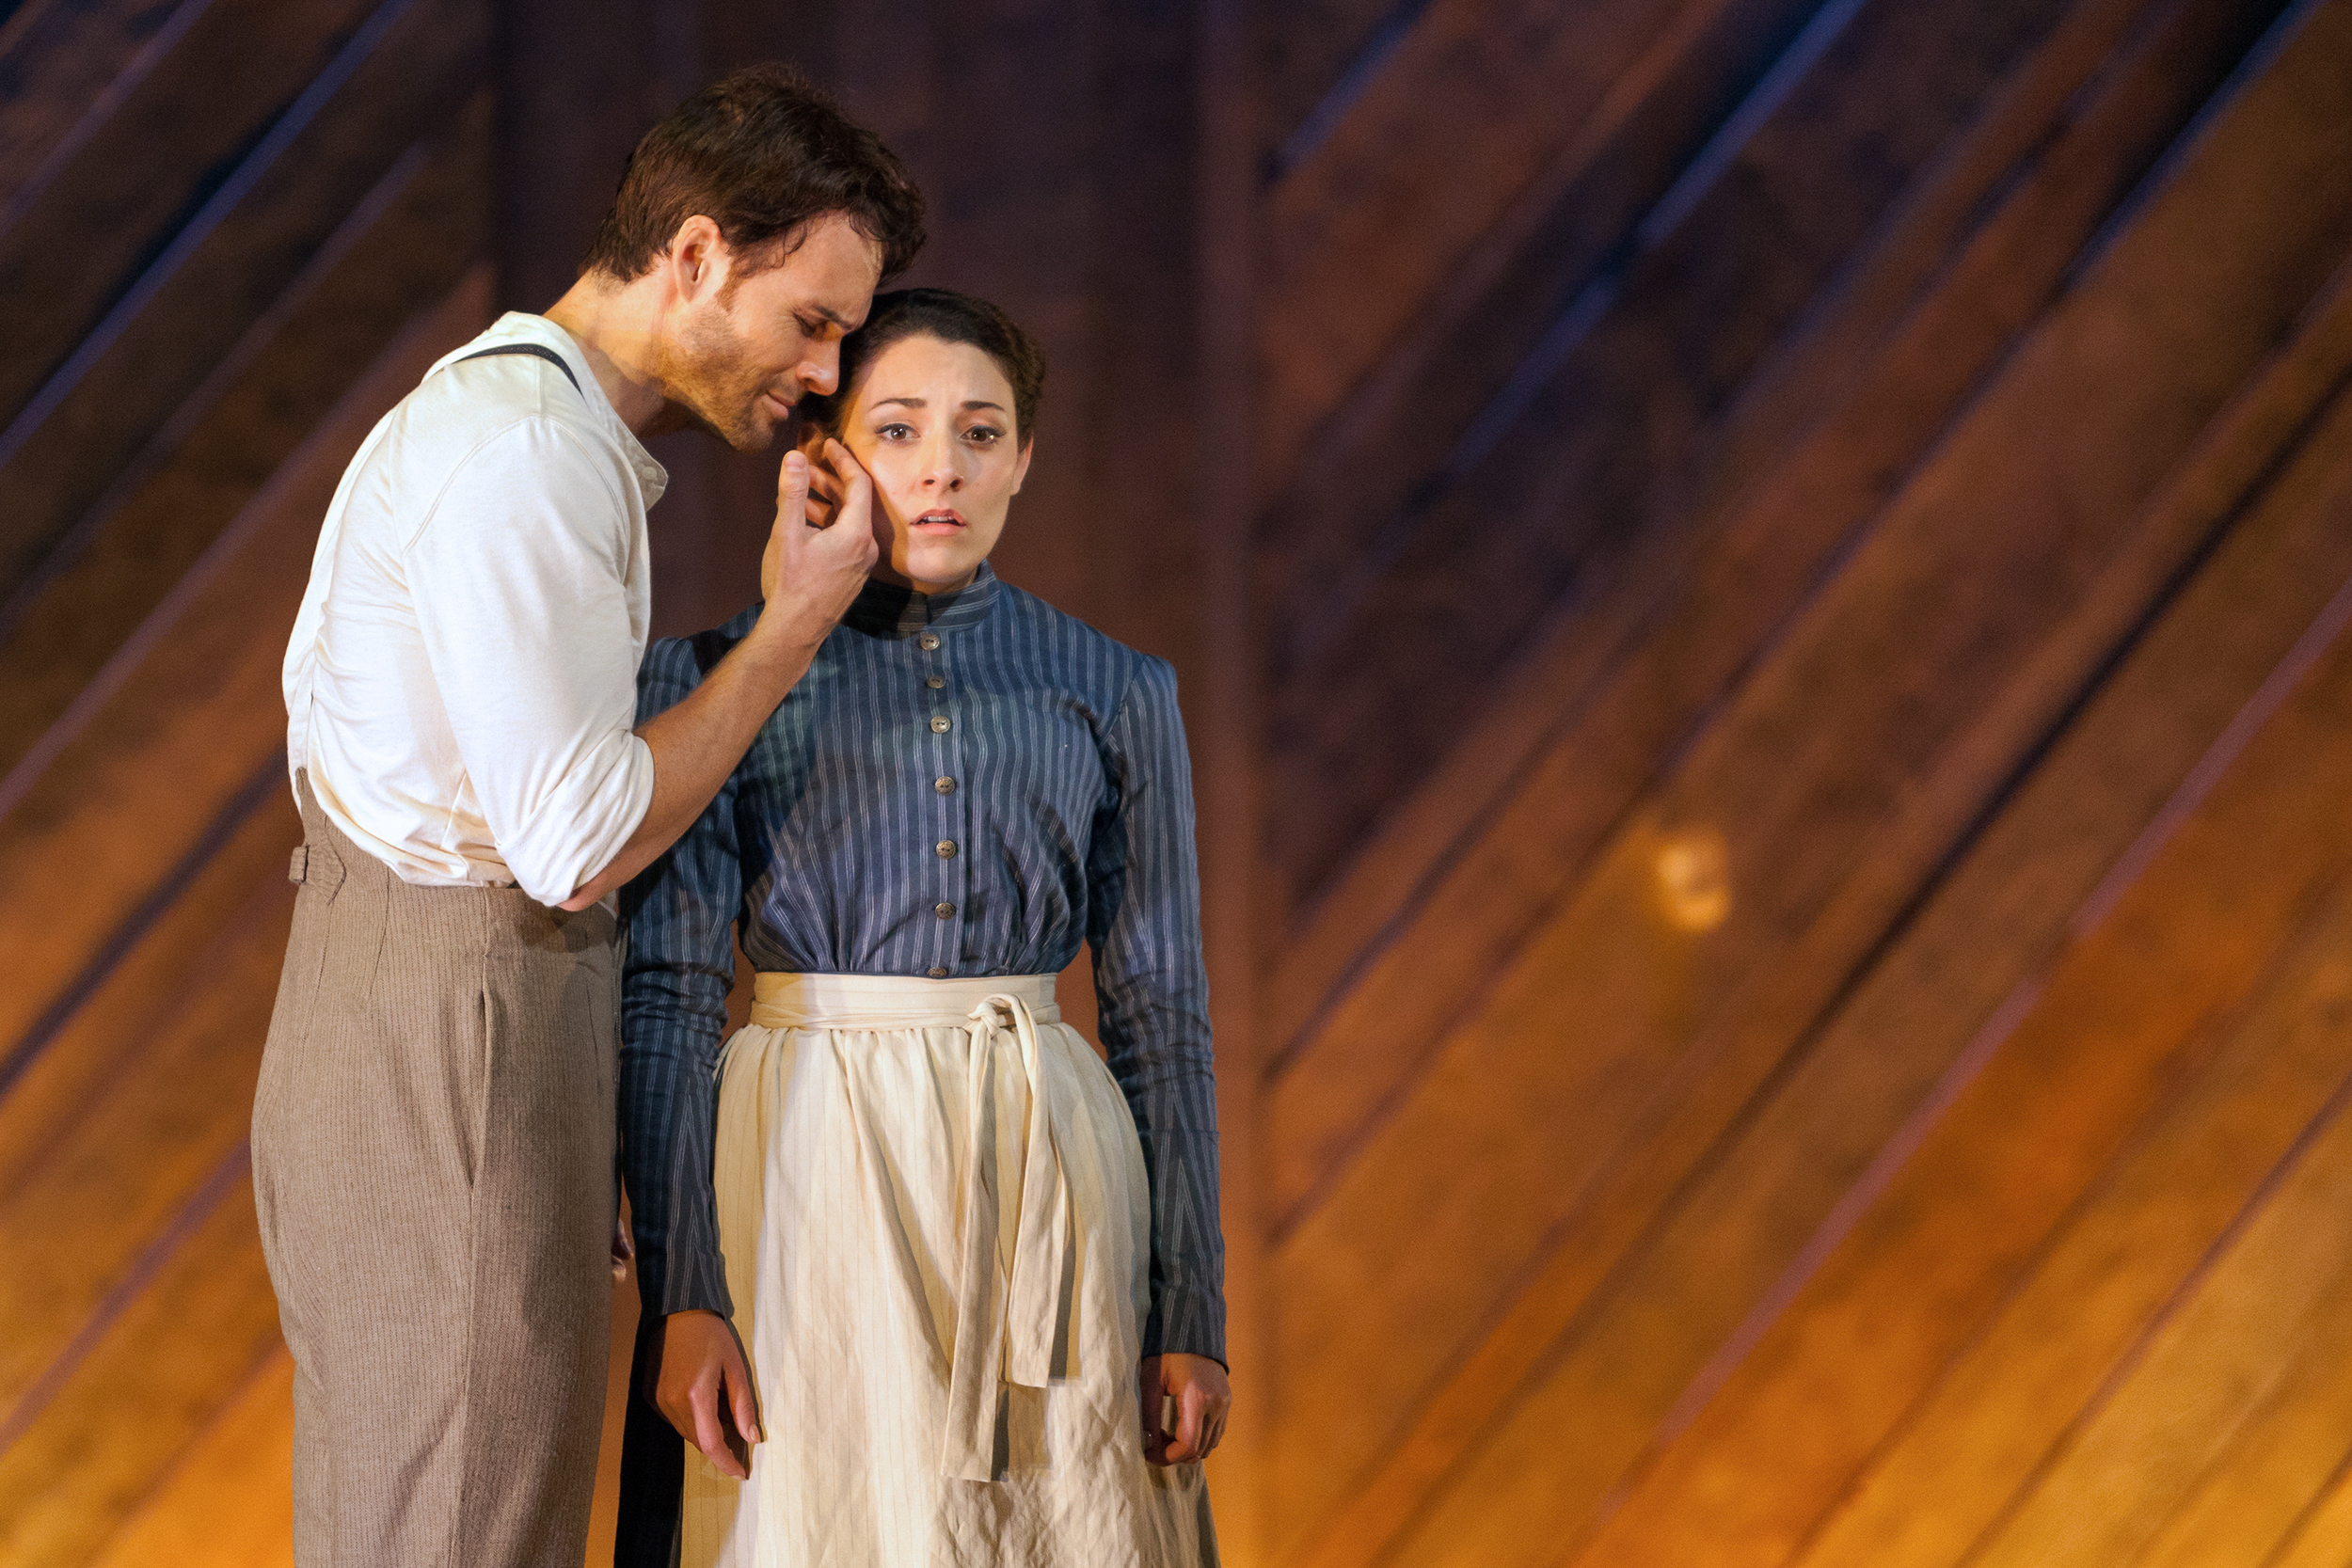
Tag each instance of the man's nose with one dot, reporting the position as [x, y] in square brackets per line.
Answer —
[821, 372]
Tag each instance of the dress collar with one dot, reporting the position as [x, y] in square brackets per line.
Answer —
[889, 609]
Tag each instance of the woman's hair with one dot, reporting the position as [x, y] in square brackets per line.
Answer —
[951, 318]
[760, 153]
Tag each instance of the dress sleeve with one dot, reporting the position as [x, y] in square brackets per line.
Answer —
[1143, 918]
[677, 970]
[518, 575]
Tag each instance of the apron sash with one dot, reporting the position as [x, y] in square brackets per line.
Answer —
[1016, 1220]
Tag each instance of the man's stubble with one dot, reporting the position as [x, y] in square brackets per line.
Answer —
[708, 373]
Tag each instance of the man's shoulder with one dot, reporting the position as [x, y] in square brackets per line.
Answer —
[460, 409]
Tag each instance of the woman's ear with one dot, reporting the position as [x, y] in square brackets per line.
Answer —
[824, 492]
[1020, 467]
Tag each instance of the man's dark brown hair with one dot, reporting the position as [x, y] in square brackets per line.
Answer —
[951, 318]
[760, 153]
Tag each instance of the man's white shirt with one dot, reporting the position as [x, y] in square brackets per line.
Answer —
[461, 685]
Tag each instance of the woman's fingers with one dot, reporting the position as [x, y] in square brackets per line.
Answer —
[1203, 1413]
[1185, 1401]
[704, 1389]
[710, 1435]
[1192, 1417]
[746, 1403]
[1152, 1406]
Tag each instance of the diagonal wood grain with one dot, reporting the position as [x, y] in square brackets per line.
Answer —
[1928, 310]
[225, 1503]
[1655, 1356]
[1980, 1434]
[122, 1175]
[182, 719]
[105, 1038]
[1987, 927]
[2323, 1536]
[63, 68]
[2268, 1309]
[2037, 459]
[403, 75]
[2117, 1025]
[1353, 455]
[1365, 229]
[177, 1356]
[1374, 664]
[1976, 1435]
[411, 239]
[2279, 1456]
[148, 162]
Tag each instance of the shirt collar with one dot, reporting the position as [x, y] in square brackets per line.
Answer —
[889, 609]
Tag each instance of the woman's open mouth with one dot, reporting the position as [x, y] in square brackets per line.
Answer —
[946, 518]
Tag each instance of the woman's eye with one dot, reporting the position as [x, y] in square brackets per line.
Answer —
[896, 432]
[983, 436]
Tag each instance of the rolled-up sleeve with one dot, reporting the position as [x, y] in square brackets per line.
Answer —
[1144, 923]
[678, 915]
[518, 577]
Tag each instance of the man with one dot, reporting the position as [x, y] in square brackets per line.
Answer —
[433, 1136]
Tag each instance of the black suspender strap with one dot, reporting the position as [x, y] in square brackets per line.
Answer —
[537, 350]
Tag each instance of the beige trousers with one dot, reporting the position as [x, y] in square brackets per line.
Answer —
[432, 1167]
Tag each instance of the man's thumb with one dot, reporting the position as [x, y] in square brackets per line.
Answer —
[792, 488]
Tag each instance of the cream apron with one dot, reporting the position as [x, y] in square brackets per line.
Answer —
[937, 1231]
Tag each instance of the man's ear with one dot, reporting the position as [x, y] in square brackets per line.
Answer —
[698, 259]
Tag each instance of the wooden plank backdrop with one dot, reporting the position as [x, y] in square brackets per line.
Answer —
[1764, 599]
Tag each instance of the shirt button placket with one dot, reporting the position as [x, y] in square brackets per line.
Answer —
[950, 909]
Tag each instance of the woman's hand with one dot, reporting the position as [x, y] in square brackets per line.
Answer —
[702, 1384]
[1196, 1385]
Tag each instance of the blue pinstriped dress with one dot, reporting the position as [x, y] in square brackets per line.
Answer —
[962, 791]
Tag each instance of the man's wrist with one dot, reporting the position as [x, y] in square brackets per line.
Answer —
[778, 646]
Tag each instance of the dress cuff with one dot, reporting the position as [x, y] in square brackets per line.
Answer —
[693, 1280]
[1186, 1323]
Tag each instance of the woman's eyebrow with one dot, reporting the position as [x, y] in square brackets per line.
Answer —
[920, 402]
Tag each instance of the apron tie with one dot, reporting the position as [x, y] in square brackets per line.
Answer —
[1016, 1231]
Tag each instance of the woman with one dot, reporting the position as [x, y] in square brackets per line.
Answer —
[978, 1277]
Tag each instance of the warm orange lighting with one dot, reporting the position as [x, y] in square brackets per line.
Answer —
[1693, 872]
